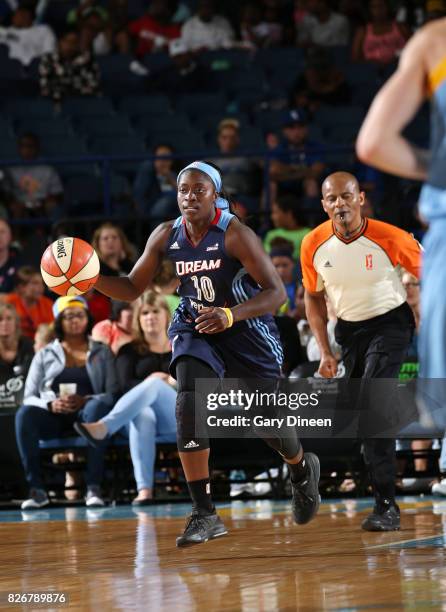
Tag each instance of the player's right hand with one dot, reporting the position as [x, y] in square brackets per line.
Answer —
[328, 366]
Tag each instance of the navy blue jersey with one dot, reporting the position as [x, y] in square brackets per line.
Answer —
[209, 276]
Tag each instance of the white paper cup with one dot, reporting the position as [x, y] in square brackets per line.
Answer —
[66, 389]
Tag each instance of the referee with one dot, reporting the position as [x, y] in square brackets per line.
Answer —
[357, 262]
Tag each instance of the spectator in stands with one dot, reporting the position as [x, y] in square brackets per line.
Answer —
[26, 40]
[153, 31]
[381, 39]
[116, 331]
[114, 250]
[72, 358]
[16, 353]
[118, 15]
[117, 257]
[297, 164]
[288, 223]
[34, 190]
[9, 259]
[166, 283]
[44, 335]
[92, 23]
[322, 82]
[73, 479]
[260, 28]
[101, 29]
[148, 404]
[285, 265]
[68, 71]
[31, 305]
[184, 75]
[412, 286]
[241, 175]
[322, 26]
[155, 186]
[206, 29]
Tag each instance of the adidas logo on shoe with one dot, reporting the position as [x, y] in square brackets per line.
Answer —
[192, 444]
[175, 245]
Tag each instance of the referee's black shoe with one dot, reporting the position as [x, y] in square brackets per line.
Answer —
[385, 517]
[306, 498]
[201, 528]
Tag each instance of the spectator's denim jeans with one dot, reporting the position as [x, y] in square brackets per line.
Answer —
[33, 424]
[148, 411]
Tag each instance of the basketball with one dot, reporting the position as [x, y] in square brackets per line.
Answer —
[69, 266]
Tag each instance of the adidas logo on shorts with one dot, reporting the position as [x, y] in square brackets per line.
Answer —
[175, 245]
[327, 264]
[192, 444]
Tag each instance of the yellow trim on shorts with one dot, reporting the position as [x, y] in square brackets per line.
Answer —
[436, 76]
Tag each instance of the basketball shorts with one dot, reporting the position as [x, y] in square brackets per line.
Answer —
[241, 352]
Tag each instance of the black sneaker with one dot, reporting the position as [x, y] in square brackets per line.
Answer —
[385, 517]
[306, 498]
[201, 528]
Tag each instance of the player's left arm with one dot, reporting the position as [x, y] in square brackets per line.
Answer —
[243, 244]
[380, 142]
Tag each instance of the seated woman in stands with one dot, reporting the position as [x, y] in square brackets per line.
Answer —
[29, 302]
[16, 352]
[382, 39]
[71, 379]
[117, 258]
[148, 404]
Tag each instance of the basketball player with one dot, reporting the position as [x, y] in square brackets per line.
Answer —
[421, 73]
[356, 261]
[223, 327]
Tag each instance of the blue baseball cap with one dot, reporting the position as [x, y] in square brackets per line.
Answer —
[295, 115]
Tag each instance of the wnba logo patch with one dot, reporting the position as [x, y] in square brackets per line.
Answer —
[369, 262]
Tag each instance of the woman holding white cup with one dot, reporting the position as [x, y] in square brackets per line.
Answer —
[71, 379]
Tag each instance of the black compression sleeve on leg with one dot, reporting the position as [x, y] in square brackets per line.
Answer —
[190, 408]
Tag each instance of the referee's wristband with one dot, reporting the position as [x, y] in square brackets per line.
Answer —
[229, 316]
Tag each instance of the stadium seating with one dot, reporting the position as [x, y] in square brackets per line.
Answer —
[156, 104]
[108, 125]
[88, 106]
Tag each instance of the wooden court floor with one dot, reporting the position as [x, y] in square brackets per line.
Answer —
[121, 559]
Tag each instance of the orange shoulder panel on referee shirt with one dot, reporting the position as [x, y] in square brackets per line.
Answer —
[400, 246]
[310, 245]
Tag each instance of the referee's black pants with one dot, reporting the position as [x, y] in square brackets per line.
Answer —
[376, 348]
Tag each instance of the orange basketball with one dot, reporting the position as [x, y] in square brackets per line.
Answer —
[69, 266]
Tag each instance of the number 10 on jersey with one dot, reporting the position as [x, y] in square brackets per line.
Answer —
[204, 288]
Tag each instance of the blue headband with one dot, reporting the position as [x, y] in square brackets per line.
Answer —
[215, 177]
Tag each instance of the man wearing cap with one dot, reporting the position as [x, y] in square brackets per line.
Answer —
[297, 163]
[71, 379]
